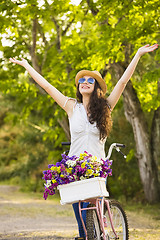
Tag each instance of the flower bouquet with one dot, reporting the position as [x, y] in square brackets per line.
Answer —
[72, 169]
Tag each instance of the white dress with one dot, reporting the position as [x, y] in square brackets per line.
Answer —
[84, 135]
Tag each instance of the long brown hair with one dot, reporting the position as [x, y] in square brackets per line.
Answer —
[98, 110]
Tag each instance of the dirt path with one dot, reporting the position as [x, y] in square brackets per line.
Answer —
[24, 216]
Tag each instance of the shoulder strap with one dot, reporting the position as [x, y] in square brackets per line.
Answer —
[69, 98]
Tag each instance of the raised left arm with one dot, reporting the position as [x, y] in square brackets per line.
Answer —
[118, 89]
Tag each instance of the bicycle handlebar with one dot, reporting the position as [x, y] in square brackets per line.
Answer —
[120, 145]
[112, 146]
[66, 143]
[116, 146]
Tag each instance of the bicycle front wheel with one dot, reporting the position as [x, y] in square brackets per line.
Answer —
[92, 224]
[119, 220]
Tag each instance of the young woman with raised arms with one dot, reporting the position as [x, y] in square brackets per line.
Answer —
[89, 115]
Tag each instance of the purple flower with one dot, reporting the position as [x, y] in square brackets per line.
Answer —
[58, 164]
[66, 174]
[50, 165]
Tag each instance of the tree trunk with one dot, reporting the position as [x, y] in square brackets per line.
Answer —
[146, 158]
[155, 137]
[64, 124]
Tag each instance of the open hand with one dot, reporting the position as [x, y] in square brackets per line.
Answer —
[22, 62]
[147, 48]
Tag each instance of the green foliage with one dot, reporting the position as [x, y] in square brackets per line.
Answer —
[60, 38]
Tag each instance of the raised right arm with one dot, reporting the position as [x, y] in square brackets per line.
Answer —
[51, 90]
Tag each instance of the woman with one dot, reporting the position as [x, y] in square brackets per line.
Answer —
[90, 120]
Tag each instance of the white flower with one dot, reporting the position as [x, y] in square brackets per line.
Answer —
[48, 184]
[98, 170]
[71, 163]
[82, 178]
[97, 160]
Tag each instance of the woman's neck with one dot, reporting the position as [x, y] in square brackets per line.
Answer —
[85, 101]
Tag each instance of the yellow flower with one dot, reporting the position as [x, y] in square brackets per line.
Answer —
[82, 155]
[83, 165]
[95, 174]
[91, 166]
[89, 172]
[69, 170]
[54, 168]
[54, 181]
[94, 158]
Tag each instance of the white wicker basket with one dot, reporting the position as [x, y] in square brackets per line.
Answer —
[82, 190]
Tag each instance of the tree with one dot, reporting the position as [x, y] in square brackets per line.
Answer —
[101, 35]
[131, 25]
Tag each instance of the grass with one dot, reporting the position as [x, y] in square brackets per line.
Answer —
[136, 234]
[144, 221]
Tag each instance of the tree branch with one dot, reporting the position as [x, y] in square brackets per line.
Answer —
[92, 7]
[40, 30]
[34, 34]
[67, 27]
[58, 29]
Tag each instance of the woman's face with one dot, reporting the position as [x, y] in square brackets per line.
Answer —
[86, 88]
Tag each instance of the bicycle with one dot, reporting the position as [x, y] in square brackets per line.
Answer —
[105, 218]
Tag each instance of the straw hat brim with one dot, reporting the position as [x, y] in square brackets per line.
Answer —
[93, 74]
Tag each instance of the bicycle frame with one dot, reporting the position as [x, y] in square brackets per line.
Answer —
[99, 202]
[99, 207]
